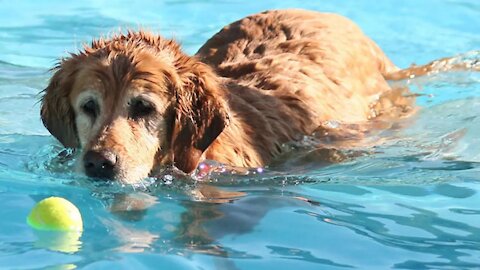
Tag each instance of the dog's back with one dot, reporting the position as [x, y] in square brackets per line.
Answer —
[322, 60]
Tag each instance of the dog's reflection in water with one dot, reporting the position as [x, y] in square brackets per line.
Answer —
[210, 214]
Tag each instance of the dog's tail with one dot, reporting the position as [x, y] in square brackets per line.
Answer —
[464, 62]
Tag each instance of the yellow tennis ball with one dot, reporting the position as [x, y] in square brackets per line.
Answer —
[55, 214]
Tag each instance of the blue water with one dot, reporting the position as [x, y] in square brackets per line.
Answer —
[411, 203]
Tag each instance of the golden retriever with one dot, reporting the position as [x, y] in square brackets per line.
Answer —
[135, 103]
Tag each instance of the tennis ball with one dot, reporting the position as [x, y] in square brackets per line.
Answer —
[55, 214]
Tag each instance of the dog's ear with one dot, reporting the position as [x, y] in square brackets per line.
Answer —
[200, 115]
[56, 112]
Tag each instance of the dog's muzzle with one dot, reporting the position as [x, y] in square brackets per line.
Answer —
[101, 164]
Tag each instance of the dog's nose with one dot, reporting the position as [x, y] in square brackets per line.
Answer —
[100, 164]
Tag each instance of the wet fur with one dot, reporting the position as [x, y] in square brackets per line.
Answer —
[258, 83]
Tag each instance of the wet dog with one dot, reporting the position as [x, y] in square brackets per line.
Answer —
[135, 103]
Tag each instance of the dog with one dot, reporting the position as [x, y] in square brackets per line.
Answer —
[135, 103]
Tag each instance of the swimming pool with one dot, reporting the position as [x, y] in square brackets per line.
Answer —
[412, 203]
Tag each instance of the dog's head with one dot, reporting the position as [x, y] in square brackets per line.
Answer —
[134, 103]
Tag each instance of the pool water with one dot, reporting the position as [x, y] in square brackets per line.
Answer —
[412, 202]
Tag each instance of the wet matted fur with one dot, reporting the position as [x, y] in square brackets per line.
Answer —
[267, 79]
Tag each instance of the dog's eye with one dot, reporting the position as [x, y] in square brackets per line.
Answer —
[90, 108]
[141, 108]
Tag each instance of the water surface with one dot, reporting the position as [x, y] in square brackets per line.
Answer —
[410, 203]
